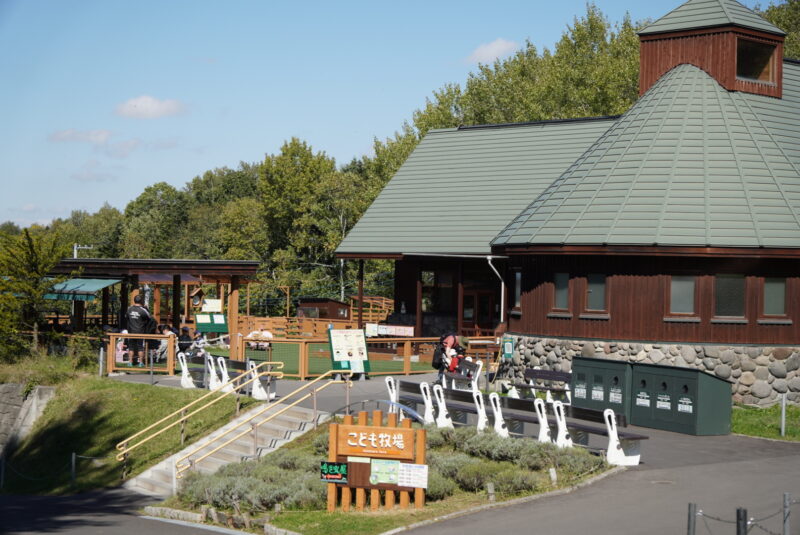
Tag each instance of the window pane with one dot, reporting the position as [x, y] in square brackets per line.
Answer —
[775, 297]
[729, 295]
[682, 295]
[517, 288]
[596, 299]
[562, 290]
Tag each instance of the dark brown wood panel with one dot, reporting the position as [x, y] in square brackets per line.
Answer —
[637, 290]
[713, 50]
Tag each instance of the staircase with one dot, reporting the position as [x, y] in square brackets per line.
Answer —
[158, 480]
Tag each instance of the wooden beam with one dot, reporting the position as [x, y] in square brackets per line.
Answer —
[176, 301]
[104, 306]
[361, 294]
[233, 317]
[418, 328]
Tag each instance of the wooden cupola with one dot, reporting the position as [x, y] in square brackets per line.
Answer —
[734, 45]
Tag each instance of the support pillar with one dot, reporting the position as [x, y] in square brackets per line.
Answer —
[176, 301]
[134, 289]
[233, 317]
[78, 311]
[418, 327]
[124, 296]
[187, 303]
[361, 294]
[460, 297]
[104, 307]
[157, 303]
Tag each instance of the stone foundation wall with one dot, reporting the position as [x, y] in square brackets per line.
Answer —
[19, 412]
[759, 374]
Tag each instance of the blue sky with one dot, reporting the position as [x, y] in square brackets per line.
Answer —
[101, 98]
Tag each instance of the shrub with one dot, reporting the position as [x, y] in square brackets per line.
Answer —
[439, 438]
[575, 462]
[473, 475]
[439, 487]
[492, 446]
[448, 463]
[537, 455]
[514, 481]
[320, 444]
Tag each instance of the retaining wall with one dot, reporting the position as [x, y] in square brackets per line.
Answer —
[758, 373]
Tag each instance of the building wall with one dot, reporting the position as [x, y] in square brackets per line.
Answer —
[637, 297]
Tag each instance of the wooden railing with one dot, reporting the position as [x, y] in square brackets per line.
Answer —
[375, 309]
[167, 366]
[310, 357]
[283, 327]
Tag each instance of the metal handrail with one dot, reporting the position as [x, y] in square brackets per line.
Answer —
[180, 468]
[123, 447]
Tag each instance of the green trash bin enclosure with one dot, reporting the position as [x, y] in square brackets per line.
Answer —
[602, 384]
[684, 400]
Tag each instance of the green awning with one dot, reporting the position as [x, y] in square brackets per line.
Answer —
[79, 289]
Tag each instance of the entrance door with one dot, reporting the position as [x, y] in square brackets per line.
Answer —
[478, 312]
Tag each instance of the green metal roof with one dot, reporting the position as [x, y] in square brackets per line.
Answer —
[690, 164]
[460, 187]
[696, 14]
[79, 289]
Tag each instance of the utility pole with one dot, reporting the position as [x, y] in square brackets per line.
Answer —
[76, 248]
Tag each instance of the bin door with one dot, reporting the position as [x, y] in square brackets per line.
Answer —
[579, 386]
[643, 399]
[597, 387]
[665, 399]
[614, 390]
[686, 401]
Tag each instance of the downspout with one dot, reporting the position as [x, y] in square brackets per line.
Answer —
[502, 290]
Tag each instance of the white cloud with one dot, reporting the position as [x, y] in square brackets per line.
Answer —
[30, 208]
[94, 137]
[147, 107]
[93, 171]
[121, 149]
[488, 52]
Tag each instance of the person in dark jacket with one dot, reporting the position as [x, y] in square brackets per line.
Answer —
[184, 340]
[139, 322]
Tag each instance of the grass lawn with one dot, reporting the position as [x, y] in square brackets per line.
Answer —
[90, 416]
[766, 423]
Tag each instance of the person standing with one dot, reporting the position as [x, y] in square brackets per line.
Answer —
[139, 322]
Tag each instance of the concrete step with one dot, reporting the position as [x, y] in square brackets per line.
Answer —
[152, 487]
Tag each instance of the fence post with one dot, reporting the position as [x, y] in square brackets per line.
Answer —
[407, 357]
[72, 469]
[2, 470]
[101, 360]
[183, 426]
[783, 415]
[692, 524]
[741, 521]
[111, 354]
[786, 512]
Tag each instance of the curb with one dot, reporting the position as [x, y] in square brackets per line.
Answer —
[509, 503]
[197, 520]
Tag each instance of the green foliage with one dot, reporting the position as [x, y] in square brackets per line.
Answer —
[26, 260]
[151, 221]
[786, 16]
[512, 480]
[439, 486]
[473, 475]
[766, 422]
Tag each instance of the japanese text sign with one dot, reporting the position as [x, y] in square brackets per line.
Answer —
[385, 442]
[333, 472]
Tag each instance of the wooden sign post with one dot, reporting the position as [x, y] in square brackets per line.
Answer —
[378, 458]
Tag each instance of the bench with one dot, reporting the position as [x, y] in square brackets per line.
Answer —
[623, 447]
[466, 372]
[538, 379]
[573, 424]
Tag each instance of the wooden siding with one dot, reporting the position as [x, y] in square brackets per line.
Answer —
[637, 290]
[714, 51]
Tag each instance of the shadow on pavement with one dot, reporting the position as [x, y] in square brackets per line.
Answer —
[90, 511]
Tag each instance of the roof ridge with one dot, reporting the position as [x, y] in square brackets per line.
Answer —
[737, 159]
[534, 123]
[724, 9]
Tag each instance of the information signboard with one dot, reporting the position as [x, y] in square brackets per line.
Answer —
[349, 350]
[369, 441]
